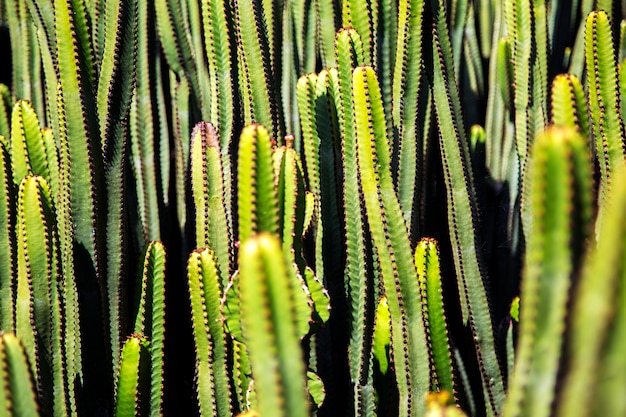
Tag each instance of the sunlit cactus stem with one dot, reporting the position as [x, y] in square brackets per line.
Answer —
[560, 209]
[266, 304]
[206, 292]
[390, 238]
[17, 393]
[430, 282]
[593, 374]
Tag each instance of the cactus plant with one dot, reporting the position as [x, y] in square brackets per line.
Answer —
[390, 202]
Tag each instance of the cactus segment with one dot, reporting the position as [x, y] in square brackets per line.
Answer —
[560, 186]
[382, 335]
[569, 107]
[150, 321]
[596, 319]
[205, 291]
[606, 123]
[361, 290]
[18, 388]
[117, 76]
[430, 282]
[254, 42]
[127, 396]
[257, 201]
[28, 153]
[175, 36]
[269, 327]
[7, 239]
[390, 238]
[219, 50]
[519, 27]
[210, 197]
[5, 111]
[463, 220]
[290, 190]
[357, 14]
[406, 91]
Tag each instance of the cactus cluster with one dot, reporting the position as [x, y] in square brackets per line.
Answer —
[312, 208]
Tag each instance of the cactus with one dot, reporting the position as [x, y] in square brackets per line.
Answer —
[561, 219]
[390, 155]
[269, 327]
[18, 389]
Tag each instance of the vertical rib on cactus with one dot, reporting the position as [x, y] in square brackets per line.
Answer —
[115, 88]
[559, 191]
[207, 182]
[519, 23]
[310, 90]
[463, 216]
[73, 341]
[257, 204]
[28, 153]
[597, 319]
[218, 46]
[569, 107]
[607, 125]
[26, 68]
[406, 83]
[150, 320]
[360, 15]
[5, 111]
[270, 330]
[253, 41]
[361, 291]
[391, 241]
[175, 34]
[39, 302]
[127, 392]
[7, 240]
[430, 282]
[205, 292]
[291, 202]
[18, 390]
[144, 147]
[499, 136]
[327, 25]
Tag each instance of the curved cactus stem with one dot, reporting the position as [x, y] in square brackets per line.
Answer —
[559, 191]
[275, 355]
